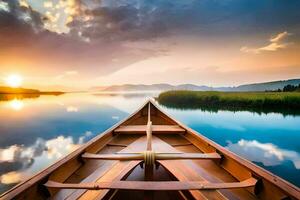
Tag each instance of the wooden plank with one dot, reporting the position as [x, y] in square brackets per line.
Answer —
[179, 145]
[149, 156]
[91, 165]
[149, 112]
[62, 173]
[188, 156]
[149, 136]
[183, 173]
[63, 194]
[135, 129]
[131, 156]
[118, 172]
[116, 145]
[158, 156]
[154, 185]
[140, 144]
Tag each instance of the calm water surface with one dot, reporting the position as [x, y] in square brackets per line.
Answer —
[36, 132]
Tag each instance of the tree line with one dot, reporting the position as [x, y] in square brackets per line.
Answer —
[287, 88]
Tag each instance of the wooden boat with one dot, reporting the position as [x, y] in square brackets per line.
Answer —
[149, 155]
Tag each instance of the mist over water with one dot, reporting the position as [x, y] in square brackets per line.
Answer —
[36, 132]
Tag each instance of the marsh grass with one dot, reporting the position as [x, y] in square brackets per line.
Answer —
[283, 102]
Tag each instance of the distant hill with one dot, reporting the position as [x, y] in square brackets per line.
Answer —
[193, 87]
[274, 85]
[139, 87]
[153, 87]
[9, 90]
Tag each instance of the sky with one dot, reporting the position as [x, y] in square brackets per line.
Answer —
[86, 43]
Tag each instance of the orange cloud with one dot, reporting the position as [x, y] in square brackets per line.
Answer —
[11, 177]
[276, 43]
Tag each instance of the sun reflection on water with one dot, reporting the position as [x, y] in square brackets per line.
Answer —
[16, 104]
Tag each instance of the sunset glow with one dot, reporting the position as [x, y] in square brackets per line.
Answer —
[14, 80]
[214, 43]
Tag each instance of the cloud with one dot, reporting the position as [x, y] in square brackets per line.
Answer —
[115, 117]
[277, 42]
[18, 162]
[10, 178]
[87, 135]
[59, 13]
[24, 3]
[266, 153]
[4, 6]
[279, 37]
[60, 146]
[17, 153]
[22, 27]
[72, 109]
[48, 4]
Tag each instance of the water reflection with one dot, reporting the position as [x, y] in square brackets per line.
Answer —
[266, 153]
[8, 97]
[10, 178]
[16, 104]
[18, 162]
[217, 108]
[72, 109]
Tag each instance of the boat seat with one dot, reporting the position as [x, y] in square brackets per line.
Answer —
[141, 129]
[154, 185]
[156, 156]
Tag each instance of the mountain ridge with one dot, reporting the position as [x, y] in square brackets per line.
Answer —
[272, 85]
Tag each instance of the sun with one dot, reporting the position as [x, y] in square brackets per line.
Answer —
[14, 80]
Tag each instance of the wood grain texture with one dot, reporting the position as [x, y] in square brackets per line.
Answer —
[154, 185]
[158, 156]
[134, 129]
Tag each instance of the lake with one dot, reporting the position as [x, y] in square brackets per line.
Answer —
[35, 132]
